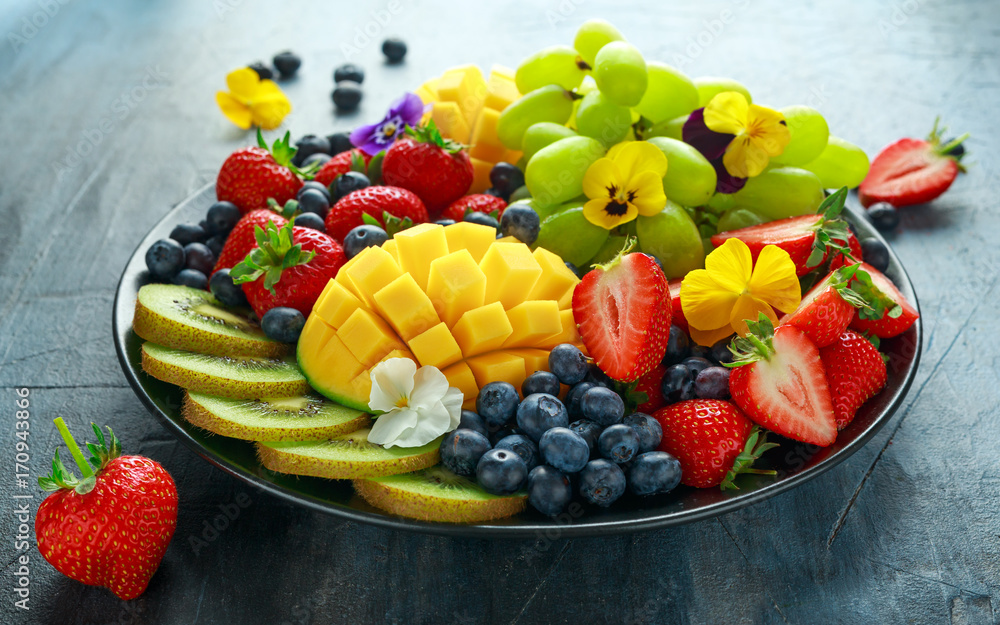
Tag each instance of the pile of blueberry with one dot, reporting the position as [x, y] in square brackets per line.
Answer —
[694, 371]
[583, 444]
[188, 255]
[347, 78]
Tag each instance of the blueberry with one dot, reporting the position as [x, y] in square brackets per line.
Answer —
[309, 145]
[494, 193]
[192, 278]
[310, 220]
[618, 443]
[602, 406]
[472, 421]
[225, 291]
[287, 63]
[589, 430]
[445, 222]
[394, 49]
[216, 244]
[540, 382]
[347, 95]
[649, 430]
[883, 216]
[573, 399]
[263, 71]
[697, 364]
[350, 181]
[319, 159]
[349, 71]
[188, 233]
[549, 490]
[875, 254]
[576, 270]
[313, 184]
[602, 482]
[654, 472]
[198, 256]
[498, 434]
[522, 446]
[538, 413]
[461, 450]
[564, 449]
[521, 222]
[712, 383]
[340, 142]
[956, 151]
[506, 178]
[482, 219]
[501, 472]
[597, 377]
[700, 351]
[678, 346]
[568, 363]
[721, 353]
[222, 216]
[314, 201]
[165, 258]
[677, 384]
[361, 237]
[283, 324]
[497, 403]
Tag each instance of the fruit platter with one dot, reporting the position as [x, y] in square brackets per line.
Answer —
[591, 294]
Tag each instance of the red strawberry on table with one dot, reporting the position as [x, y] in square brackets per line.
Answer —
[855, 371]
[897, 319]
[241, 239]
[251, 175]
[346, 214]
[341, 164]
[289, 267]
[912, 171]
[477, 202]
[112, 527]
[713, 440]
[622, 309]
[778, 380]
[438, 170]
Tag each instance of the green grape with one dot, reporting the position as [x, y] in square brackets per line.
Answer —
[736, 218]
[672, 236]
[842, 164]
[585, 87]
[546, 104]
[620, 72]
[781, 192]
[690, 179]
[555, 173]
[721, 202]
[555, 65]
[711, 86]
[609, 250]
[520, 193]
[671, 128]
[669, 94]
[539, 135]
[592, 36]
[546, 210]
[809, 134]
[600, 118]
[569, 234]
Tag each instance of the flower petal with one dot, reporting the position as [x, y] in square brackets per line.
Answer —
[770, 132]
[595, 211]
[362, 135]
[429, 386]
[649, 196]
[243, 83]
[695, 133]
[600, 175]
[749, 307]
[389, 427]
[726, 182]
[616, 148]
[269, 112]
[705, 304]
[640, 156]
[409, 107]
[731, 265]
[452, 402]
[234, 110]
[744, 158]
[392, 380]
[710, 337]
[774, 280]
[431, 423]
[727, 113]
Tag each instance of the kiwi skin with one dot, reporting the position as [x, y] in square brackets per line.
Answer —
[424, 507]
[275, 459]
[198, 415]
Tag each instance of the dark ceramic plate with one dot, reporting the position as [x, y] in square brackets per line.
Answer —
[794, 462]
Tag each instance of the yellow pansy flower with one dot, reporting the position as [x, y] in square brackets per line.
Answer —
[718, 299]
[624, 184]
[252, 101]
[760, 133]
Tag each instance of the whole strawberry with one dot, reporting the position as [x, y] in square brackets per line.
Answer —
[438, 170]
[713, 440]
[112, 527]
[241, 239]
[400, 204]
[289, 267]
[341, 164]
[650, 384]
[477, 202]
[855, 371]
[252, 175]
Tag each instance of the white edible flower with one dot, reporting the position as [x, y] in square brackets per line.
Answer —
[418, 404]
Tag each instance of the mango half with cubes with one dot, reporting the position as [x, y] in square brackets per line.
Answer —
[479, 309]
[465, 106]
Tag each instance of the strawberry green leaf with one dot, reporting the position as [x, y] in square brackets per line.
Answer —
[276, 250]
[754, 447]
[394, 224]
[357, 162]
[429, 133]
[375, 168]
[758, 344]
[369, 220]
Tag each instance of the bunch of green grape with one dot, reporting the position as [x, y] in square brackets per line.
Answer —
[578, 101]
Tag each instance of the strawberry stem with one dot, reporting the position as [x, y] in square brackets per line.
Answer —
[626, 249]
[73, 448]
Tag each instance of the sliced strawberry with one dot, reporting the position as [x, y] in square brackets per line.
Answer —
[622, 309]
[855, 371]
[894, 321]
[675, 304]
[779, 381]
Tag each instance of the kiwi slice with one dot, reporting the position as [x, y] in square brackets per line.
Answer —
[301, 418]
[191, 319]
[346, 457]
[236, 377]
[437, 494]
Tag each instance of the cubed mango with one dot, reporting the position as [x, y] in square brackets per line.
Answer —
[482, 329]
[498, 367]
[556, 282]
[465, 235]
[533, 321]
[368, 337]
[456, 284]
[511, 272]
[406, 307]
[436, 347]
[417, 247]
[373, 269]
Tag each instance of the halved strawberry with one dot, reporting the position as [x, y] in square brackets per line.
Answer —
[855, 371]
[841, 260]
[622, 309]
[912, 171]
[894, 321]
[778, 380]
[675, 304]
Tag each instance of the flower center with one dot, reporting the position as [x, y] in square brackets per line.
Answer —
[387, 130]
[402, 402]
[618, 200]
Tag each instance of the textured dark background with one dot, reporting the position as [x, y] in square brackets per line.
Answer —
[121, 94]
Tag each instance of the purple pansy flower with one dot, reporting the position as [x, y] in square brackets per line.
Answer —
[406, 111]
[712, 146]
